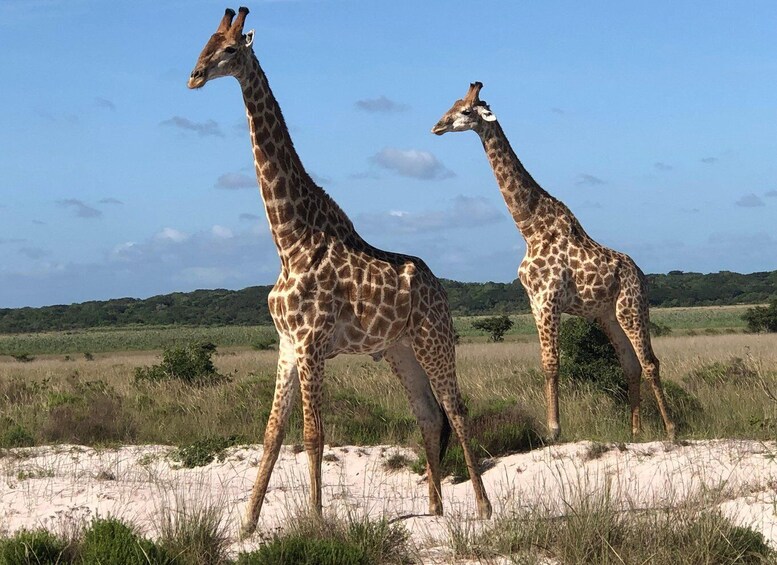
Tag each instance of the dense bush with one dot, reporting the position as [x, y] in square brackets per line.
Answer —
[34, 547]
[109, 541]
[203, 452]
[192, 364]
[587, 356]
[762, 318]
[496, 327]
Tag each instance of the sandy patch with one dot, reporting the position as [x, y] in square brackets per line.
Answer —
[56, 485]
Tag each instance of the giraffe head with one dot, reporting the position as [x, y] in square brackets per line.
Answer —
[226, 50]
[468, 113]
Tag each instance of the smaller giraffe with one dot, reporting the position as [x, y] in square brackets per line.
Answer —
[564, 270]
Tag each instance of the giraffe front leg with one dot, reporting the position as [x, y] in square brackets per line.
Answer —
[547, 319]
[286, 383]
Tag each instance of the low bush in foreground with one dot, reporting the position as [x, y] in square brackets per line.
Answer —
[192, 364]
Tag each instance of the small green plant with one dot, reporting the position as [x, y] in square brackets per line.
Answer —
[396, 462]
[495, 326]
[659, 330]
[587, 356]
[108, 541]
[192, 364]
[264, 343]
[33, 547]
[16, 436]
[203, 452]
[194, 532]
[24, 358]
[762, 318]
[331, 542]
[88, 356]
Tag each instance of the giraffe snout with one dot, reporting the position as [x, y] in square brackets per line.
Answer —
[197, 78]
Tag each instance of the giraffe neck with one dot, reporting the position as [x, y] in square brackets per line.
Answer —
[524, 197]
[296, 207]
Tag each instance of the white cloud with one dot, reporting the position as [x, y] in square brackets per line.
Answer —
[464, 212]
[589, 180]
[412, 163]
[171, 234]
[208, 127]
[222, 232]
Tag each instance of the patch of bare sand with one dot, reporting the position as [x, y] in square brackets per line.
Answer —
[55, 486]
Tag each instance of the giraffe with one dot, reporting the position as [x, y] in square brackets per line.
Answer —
[336, 293]
[564, 270]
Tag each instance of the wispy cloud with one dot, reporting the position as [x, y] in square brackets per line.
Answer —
[771, 194]
[110, 201]
[558, 111]
[209, 127]
[585, 179]
[381, 104]
[659, 166]
[33, 252]
[4, 241]
[81, 210]
[320, 179]
[464, 212]
[750, 201]
[411, 163]
[246, 217]
[709, 160]
[104, 103]
[235, 181]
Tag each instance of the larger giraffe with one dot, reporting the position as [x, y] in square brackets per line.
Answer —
[336, 293]
[564, 270]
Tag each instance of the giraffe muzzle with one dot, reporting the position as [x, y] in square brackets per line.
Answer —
[197, 78]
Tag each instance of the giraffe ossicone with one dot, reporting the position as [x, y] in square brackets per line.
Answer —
[336, 293]
[565, 270]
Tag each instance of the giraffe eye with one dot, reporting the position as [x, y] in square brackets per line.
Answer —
[230, 50]
[466, 112]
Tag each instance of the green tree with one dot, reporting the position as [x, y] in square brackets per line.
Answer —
[762, 318]
[495, 326]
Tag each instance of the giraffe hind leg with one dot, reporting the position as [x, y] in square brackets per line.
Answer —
[636, 328]
[434, 424]
[630, 364]
[438, 360]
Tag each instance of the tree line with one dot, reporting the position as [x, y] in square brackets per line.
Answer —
[249, 306]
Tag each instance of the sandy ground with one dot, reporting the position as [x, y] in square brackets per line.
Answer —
[57, 487]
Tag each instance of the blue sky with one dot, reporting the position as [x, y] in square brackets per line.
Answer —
[655, 123]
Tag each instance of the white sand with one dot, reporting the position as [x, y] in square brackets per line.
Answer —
[53, 487]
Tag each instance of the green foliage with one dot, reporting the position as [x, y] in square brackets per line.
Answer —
[264, 343]
[330, 543]
[659, 330]
[762, 318]
[191, 364]
[358, 420]
[495, 326]
[109, 541]
[23, 358]
[249, 306]
[36, 547]
[496, 429]
[195, 533]
[202, 452]
[587, 356]
[16, 436]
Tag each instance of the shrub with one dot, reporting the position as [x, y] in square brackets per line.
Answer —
[23, 358]
[762, 318]
[16, 436]
[733, 371]
[109, 541]
[204, 451]
[194, 533]
[34, 547]
[264, 343]
[191, 364]
[587, 356]
[659, 330]
[89, 418]
[495, 326]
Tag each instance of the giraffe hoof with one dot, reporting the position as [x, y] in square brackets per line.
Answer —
[553, 435]
[247, 529]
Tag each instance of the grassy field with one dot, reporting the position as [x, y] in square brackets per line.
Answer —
[682, 321]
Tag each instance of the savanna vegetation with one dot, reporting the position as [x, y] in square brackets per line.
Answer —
[248, 307]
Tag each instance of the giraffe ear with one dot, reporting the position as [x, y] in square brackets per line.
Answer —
[249, 37]
[486, 114]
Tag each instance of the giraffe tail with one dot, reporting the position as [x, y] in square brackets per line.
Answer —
[445, 433]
